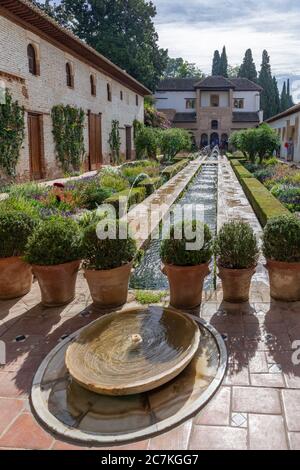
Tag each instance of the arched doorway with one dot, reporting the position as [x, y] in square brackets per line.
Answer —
[224, 142]
[204, 140]
[214, 139]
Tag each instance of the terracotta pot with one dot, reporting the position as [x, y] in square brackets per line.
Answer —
[284, 280]
[57, 283]
[236, 284]
[186, 284]
[15, 278]
[109, 288]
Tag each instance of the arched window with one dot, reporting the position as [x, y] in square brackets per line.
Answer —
[204, 140]
[93, 85]
[108, 92]
[32, 62]
[214, 124]
[69, 75]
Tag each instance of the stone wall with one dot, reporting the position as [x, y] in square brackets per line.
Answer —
[40, 93]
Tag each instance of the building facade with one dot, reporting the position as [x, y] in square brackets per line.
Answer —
[43, 65]
[211, 108]
[287, 125]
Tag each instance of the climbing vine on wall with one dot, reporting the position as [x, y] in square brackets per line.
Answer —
[12, 131]
[68, 127]
[115, 141]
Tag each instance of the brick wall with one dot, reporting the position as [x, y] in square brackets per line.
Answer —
[41, 93]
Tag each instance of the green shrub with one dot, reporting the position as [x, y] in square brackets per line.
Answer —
[114, 183]
[147, 142]
[29, 207]
[288, 195]
[236, 246]
[264, 204]
[238, 155]
[135, 196]
[151, 184]
[146, 297]
[27, 190]
[131, 173]
[54, 241]
[175, 251]
[109, 253]
[281, 239]
[174, 141]
[240, 170]
[15, 229]
[172, 170]
[92, 195]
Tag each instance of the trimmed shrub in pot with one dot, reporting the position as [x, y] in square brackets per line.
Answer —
[281, 247]
[15, 274]
[186, 268]
[108, 263]
[54, 253]
[237, 254]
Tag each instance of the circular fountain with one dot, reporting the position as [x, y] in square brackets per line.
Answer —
[133, 351]
[128, 376]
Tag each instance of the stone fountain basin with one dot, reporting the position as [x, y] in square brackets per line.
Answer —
[133, 351]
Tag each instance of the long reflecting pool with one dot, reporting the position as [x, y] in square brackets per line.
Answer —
[202, 190]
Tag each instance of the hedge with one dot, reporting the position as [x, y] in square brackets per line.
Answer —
[264, 204]
[151, 184]
[172, 170]
[240, 170]
[136, 196]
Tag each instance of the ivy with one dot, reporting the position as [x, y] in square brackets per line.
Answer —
[12, 132]
[68, 126]
[115, 142]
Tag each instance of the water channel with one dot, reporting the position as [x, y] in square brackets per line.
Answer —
[202, 190]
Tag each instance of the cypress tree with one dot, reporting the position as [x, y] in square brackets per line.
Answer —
[277, 106]
[284, 101]
[248, 68]
[224, 64]
[216, 63]
[289, 96]
[266, 82]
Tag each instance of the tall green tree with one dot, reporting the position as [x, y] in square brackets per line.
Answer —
[216, 63]
[284, 101]
[277, 104]
[266, 82]
[180, 68]
[248, 67]
[289, 96]
[121, 30]
[224, 63]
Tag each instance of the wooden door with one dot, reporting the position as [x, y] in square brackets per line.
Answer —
[128, 143]
[95, 141]
[35, 146]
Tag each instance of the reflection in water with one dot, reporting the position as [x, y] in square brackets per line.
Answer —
[202, 190]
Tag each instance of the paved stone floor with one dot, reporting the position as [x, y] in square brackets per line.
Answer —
[257, 406]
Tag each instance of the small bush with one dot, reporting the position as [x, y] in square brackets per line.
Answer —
[135, 196]
[92, 195]
[15, 229]
[281, 239]
[54, 241]
[175, 251]
[147, 142]
[264, 173]
[132, 173]
[29, 207]
[172, 170]
[146, 297]
[109, 253]
[236, 246]
[113, 183]
[288, 195]
[151, 184]
[174, 141]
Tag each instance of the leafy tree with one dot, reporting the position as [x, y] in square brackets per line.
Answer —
[266, 82]
[248, 68]
[123, 31]
[284, 99]
[224, 63]
[277, 106]
[216, 63]
[290, 98]
[173, 141]
[180, 68]
[259, 142]
[147, 142]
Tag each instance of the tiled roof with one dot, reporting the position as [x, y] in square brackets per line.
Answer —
[208, 83]
[185, 117]
[288, 112]
[215, 82]
[245, 117]
[177, 84]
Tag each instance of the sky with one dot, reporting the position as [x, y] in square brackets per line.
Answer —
[193, 29]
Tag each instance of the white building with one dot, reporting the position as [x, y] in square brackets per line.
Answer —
[287, 125]
[44, 65]
[211, 108]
